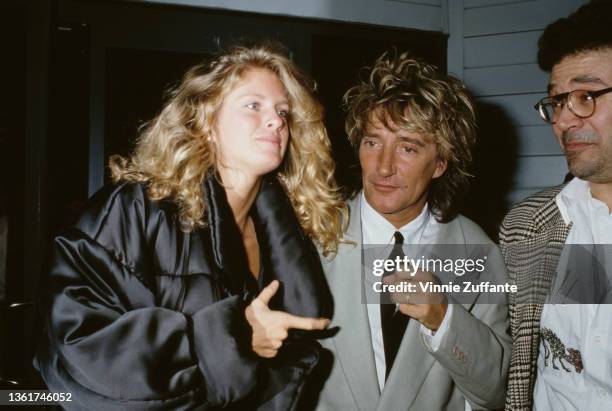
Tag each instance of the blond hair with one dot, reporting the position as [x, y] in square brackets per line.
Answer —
[175, 152]
[415, 96]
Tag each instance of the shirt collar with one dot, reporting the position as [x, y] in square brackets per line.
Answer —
[576, 202]
[378, 230]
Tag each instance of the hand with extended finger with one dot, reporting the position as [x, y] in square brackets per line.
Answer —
[427, 307]
[271, 327]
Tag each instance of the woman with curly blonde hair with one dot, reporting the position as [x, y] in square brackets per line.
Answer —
[164, 294]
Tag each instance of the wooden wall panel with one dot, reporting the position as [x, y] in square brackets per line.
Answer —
[537, 141]
[501, 49]
[516, 16]
[504, 80]
[517, 154]
[519, 108]
[540, 171]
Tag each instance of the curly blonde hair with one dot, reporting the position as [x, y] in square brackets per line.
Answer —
[417, 97]
[175, 152]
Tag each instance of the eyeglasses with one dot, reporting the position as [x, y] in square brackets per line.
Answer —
[579, 102]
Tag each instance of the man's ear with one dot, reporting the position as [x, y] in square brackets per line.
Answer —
[441, 165]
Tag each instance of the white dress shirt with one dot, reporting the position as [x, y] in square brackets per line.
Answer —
[377, 230]
[584, 327]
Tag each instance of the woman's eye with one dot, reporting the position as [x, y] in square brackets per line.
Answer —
[253, 106]
[283, 113]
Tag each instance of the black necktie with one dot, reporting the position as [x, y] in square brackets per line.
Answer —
[393, 323]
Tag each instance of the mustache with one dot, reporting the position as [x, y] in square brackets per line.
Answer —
[579, 137]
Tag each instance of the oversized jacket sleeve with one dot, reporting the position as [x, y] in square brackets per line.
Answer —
[111, 344]
[476, 351]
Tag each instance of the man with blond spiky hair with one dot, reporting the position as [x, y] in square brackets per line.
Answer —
[413, 128]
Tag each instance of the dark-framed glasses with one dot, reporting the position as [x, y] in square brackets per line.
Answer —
[579, 102]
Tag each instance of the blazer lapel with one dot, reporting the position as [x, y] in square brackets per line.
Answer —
[534, 260]
[353, 343]
[551, 231]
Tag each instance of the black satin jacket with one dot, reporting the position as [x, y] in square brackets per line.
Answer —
[141, 315]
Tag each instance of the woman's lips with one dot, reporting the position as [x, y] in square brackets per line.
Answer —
[272, 140]
[271, 143]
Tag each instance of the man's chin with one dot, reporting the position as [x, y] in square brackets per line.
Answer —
[384, 207]
[581, 168]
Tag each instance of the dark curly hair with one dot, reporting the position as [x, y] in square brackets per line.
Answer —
[417, 97]
[588, 28]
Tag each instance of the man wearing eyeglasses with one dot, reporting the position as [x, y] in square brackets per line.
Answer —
[566, 346]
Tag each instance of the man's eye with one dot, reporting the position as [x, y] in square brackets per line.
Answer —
[557, 103]
[586, 97]
[406, 148]
[369, 143]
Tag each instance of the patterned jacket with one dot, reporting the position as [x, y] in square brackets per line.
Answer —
[531, 238]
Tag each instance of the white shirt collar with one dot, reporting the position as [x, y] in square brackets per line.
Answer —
[590, 217]
[576, 202]
[377, 229]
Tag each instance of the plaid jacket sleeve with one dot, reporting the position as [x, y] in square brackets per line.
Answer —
[531, 237]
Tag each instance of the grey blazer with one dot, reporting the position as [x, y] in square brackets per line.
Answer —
[470, 363]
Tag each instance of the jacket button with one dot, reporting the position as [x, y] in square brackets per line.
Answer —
[458, 354]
